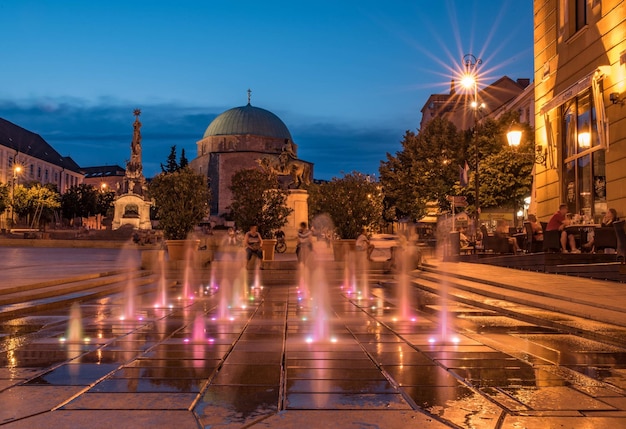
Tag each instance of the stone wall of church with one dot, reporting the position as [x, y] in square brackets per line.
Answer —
[239, 143]
[228, 164]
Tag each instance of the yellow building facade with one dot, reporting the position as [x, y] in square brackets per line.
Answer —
[580, 93]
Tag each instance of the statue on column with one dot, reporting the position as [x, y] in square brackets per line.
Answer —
[132, 207]
[134, 167]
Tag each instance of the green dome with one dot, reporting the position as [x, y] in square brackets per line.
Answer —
[248, 120]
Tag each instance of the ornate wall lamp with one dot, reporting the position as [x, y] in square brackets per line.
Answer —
[615, 98]
[514, 137]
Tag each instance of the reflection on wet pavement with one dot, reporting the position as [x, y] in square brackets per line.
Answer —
[239, 364]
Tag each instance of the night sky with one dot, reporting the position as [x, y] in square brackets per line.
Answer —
[347, 77]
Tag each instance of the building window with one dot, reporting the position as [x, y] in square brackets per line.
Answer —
[584, 177]
[580, 13]
[38, 172]
[46, 176]
[32, 170]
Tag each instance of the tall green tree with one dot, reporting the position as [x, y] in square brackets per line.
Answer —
[171, 164]
[353, 202]
[504, 173]
[184, 162]
[258, 200]
[425, 170]
[181, 201]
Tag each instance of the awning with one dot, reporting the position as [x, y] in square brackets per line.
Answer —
[590, 80]
[574, 89]
[428, 219]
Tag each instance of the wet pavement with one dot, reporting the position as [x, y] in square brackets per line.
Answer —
[227, 349]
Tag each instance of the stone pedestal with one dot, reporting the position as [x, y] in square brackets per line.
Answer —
[131, 209]
[297, 200]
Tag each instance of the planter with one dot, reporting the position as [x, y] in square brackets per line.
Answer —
[342, 248]
[268, 248]
[152, 259]
[178, 250]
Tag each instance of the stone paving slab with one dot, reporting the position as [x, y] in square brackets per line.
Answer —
[107, 419]
[347, 419]
[131, 401]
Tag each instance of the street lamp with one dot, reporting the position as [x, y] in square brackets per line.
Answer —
[17, 169]
[469, 81]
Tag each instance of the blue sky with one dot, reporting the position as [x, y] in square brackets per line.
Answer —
[348, 77]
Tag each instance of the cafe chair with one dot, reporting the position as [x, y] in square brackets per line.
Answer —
[552, 241]
[532, 244]
[604, 238]
[621, 240]
[494, 243]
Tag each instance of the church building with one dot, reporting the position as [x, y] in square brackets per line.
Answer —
[238, 139]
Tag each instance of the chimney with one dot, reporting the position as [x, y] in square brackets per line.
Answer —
[452, 88]
[523, 82]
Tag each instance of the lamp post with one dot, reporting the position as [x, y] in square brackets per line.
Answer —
[469, 81]
[17, 169]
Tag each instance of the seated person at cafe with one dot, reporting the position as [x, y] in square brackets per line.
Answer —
[502, 230]
[463, 239]
[558, 222]
[609, 217]
[536, 228]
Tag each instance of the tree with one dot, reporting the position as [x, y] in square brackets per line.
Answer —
[79, 201]
[505, 173]
[5, 202]
[104, 202]
[181, 200]
[425, 170]
[258, 200]
[45, 201]
[353, 202]
[184, 162]
[171, 166]
[35, 202]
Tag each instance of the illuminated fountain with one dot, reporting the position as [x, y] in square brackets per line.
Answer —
[75, 325]
[320, 306]
[162, 289]
[446, 334]
[129, 299]
[402, 256]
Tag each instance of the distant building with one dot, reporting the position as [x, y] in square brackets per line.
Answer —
[37, 159]
[455, 106]
[105, 177]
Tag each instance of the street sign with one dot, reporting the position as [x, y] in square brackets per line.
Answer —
[458, 200]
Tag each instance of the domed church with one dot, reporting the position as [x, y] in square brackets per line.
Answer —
[237, 139]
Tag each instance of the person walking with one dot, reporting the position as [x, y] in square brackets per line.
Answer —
[252, 242]
[305, 242]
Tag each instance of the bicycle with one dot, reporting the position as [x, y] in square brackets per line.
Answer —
[280, 245]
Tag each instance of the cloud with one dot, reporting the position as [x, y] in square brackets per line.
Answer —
[100, 132]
